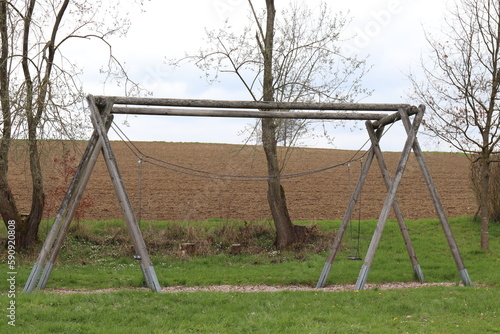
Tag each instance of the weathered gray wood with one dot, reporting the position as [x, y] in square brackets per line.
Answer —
[242, 113]
[83, 177]
[73, 206]
[347, 217]
[439, 207]
[397, 209]
[102, 100]
[60, 216]
[391, 195]
[121, 193]
[394, 117]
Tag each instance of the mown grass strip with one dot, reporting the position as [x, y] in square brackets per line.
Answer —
[424, 310]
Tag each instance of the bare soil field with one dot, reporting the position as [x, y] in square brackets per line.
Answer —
[165, 194]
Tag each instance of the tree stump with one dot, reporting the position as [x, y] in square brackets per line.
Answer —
[187, 248]
[235, 249]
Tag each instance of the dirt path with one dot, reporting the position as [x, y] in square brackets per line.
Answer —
[261, 288]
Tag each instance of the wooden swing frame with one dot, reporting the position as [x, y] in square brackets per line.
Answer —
[102, 109]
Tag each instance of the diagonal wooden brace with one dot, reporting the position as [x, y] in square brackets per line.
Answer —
[396, 207]
[347, 216]
[65, 214]
[438, 206]
[121, 193]
[391, 195]
[67, 221]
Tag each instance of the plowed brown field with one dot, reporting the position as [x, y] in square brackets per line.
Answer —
[168, 195]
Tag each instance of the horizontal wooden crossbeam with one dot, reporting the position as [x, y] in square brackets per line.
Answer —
[257, 109]
[244, 113]
[260, 105]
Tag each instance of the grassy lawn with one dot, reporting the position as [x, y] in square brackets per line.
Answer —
[425, 310]
[87, 262]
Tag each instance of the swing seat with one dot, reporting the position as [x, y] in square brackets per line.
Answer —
[354, 258]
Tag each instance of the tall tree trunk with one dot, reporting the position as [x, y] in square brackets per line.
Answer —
[8, 207]
[26, 226]
[484, 202]
[29, 225]
[286, 233]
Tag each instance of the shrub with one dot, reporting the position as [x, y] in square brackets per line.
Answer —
[209, 238]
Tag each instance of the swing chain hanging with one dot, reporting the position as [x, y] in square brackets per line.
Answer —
[355, 250]
[144, 158]
[139, 190]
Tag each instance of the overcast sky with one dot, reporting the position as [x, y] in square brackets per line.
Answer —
[390, 32]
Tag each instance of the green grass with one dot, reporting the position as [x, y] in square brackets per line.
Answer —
[97, 256]
[88, 263]
[425, 310]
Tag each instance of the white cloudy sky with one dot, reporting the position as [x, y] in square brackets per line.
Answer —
[389, 31]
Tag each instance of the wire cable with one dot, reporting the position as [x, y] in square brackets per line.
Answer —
[219, 176]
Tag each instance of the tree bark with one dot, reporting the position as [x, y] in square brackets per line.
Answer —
[8, 207]
[26, 227]
[484, 211]
[287, 233]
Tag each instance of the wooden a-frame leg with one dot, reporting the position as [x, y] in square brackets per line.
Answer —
[347, 217]
[397, 209]
[69, 216]
[64, 214]
[439, 207]
[391, 195]
[121, 193]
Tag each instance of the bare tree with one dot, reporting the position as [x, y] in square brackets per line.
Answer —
[291, 56]
[461, 87]
[39, 87]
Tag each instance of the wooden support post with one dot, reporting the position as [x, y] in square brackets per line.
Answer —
[397, 209]
[70, 214]
[63, 212]
[345, 221]
[121, 193]
[389, 119]
[391, 195]
[439, 207]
